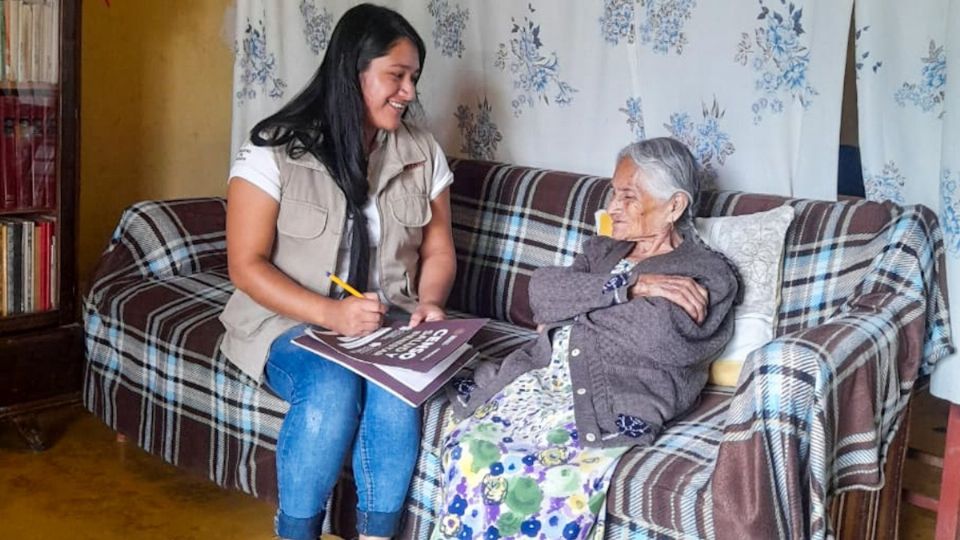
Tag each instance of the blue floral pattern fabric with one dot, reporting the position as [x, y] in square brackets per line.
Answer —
[464, 386]
[863, 58]
[706, 140]
[563, 84]
[950, 213]
[448, 25]
[634, 112]
[533, 73]
[780, 59]
[317, 25]
[632, 426]
[478, 132]
[659, 23]
[928, 92]
[257, 65]
[615, 282]
[662, 24]
[516, 469]
[617, 22]
[887, 185]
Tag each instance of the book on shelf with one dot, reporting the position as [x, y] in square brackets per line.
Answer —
[410, 363]
[11, 24]
[14, 267]
[41, 172]
[29, 40]
[3, 269]
[43, 275]
[8, 152]
[28, 151]
[28, 265]
[52, 282]
[26, 142]
[47, 153]
[4, 43]
[26, 275]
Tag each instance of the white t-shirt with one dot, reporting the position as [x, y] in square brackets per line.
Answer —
[257, 165]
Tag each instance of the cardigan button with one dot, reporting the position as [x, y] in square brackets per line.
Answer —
[581, 391]
[575, 352]
[591, 437]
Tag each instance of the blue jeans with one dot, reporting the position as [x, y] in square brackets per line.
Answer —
[332, 409]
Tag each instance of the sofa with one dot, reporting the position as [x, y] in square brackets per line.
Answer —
[809, 443]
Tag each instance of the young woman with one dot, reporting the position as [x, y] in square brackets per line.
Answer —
[337, 181]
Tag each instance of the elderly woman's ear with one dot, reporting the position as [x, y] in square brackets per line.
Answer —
[678, 205]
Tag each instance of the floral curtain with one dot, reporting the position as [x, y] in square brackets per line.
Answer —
[909, 129]
[565, 84]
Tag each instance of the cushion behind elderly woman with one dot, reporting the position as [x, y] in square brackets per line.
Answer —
[627, 335]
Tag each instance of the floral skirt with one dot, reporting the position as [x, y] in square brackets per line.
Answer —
[516, 469]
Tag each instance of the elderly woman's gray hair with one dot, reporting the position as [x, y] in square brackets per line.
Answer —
[669, 168]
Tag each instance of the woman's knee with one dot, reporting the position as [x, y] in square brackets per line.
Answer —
[326, 382]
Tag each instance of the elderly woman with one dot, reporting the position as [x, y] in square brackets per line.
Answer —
[627, 335]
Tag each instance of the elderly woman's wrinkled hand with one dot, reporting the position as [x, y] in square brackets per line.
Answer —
[681, 290]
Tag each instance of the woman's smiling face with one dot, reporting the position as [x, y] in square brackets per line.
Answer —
[389, 85]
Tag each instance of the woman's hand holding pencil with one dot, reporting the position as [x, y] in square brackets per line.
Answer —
[360, 313]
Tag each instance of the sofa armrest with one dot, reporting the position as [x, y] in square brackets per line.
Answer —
[813, 414]
[160, 239]
[816, 409]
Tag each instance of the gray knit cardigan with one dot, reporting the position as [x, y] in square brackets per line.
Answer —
[644, 358]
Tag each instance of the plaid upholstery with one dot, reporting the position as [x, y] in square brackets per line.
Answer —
[167, 238]
[509, 221]
[154, 371]
[863, 312]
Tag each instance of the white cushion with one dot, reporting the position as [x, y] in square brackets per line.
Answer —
[754, 243]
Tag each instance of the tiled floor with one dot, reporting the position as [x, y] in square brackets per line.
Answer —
[88, 486]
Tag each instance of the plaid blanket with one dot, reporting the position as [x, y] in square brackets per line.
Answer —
[863, 312]
[154, 371]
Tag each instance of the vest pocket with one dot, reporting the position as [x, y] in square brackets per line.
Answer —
[411, 210]
[301, 219]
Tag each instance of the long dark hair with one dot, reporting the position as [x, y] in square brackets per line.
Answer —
[327, 118]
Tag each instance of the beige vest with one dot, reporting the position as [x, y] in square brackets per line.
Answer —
[311, 224]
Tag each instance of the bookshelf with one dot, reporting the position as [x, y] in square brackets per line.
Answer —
[41, 345]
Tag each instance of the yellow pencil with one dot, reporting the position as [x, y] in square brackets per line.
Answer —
[344, 285]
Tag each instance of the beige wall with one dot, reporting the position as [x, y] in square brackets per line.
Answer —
[155, 109]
